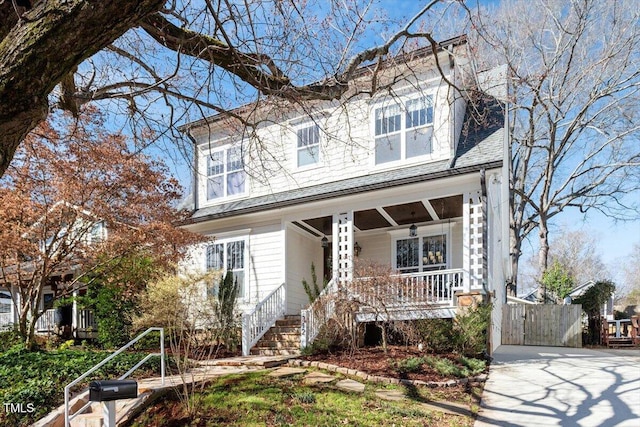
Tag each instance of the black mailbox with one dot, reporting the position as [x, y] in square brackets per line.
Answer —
[106, 390]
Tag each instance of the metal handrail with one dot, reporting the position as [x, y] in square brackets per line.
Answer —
[68, 417]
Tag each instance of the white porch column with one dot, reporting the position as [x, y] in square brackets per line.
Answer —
[343, 246]
[472, 241]
[74, 313]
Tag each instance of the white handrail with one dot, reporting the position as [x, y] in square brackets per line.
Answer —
[263, 316]
[317, 314]
[68, 417]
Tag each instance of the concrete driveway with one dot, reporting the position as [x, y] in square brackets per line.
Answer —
[556, 386]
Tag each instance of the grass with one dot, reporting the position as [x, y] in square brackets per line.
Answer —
[39, 377]
[256, 399]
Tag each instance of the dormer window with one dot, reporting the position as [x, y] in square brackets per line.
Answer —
[225, 173]
[403, 131]
[308, 145]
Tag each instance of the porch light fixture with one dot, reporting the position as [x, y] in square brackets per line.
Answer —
[413, 230]
[325, 242]
[357, 249]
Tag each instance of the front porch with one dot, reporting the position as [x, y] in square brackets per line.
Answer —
[404, 260]
[81, 324]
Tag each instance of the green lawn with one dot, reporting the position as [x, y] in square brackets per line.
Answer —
[256, 399]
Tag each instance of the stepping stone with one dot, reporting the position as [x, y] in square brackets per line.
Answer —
[318, 378]
[350, 385]
[391, 395]
[286, 372]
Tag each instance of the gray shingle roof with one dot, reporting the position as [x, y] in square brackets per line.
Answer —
[479, 147]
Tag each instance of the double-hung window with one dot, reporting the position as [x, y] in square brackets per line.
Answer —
[403, 131]
[424, 253]
[228, 256]
[225, 173]
[308, 145]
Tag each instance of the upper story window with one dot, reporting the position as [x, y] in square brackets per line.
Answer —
[403, 132]
[308, 145]
[225, 173]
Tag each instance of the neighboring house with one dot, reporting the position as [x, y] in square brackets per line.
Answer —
[607, 308]
[534, 297]
[67, 320]
[406, 180]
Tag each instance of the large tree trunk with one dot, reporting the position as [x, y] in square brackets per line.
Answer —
[44, 46]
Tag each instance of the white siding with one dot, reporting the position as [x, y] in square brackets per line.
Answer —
[456, 244]
[266, 260]
[375, 247]
[301, 252]
[347, 146]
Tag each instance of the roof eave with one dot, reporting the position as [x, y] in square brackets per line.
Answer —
[345, 192]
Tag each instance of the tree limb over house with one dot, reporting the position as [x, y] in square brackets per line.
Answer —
[51, 55]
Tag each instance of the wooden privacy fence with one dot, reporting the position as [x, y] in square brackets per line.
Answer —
[542, 324]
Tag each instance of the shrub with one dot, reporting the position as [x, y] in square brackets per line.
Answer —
[471, 326]
[312, 290]
[9, 339]
[476, 366]
[466, 334]
[437, 335]
[410, 364]
[446, 367]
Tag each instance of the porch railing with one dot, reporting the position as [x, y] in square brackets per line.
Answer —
[86, 321]
[46, 322]
[317, 314]
[408, 290]
[6, 320]
[258, 321]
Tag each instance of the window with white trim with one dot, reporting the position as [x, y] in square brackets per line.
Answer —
[308, 145]
[423, 253]
[403, 131]
[5, 302]
[228, 256]
[225, 173]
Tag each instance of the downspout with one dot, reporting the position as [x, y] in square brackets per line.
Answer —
[195, 170]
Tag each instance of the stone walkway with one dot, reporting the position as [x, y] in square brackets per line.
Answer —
[150, 389]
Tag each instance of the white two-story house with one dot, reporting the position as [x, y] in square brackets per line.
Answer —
[405, 178]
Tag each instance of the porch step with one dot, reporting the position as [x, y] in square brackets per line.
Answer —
[620, 342]
[283, 339]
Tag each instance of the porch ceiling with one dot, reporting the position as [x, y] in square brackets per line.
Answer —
[424, 211]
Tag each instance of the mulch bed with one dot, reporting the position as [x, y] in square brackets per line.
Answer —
[374, 361]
